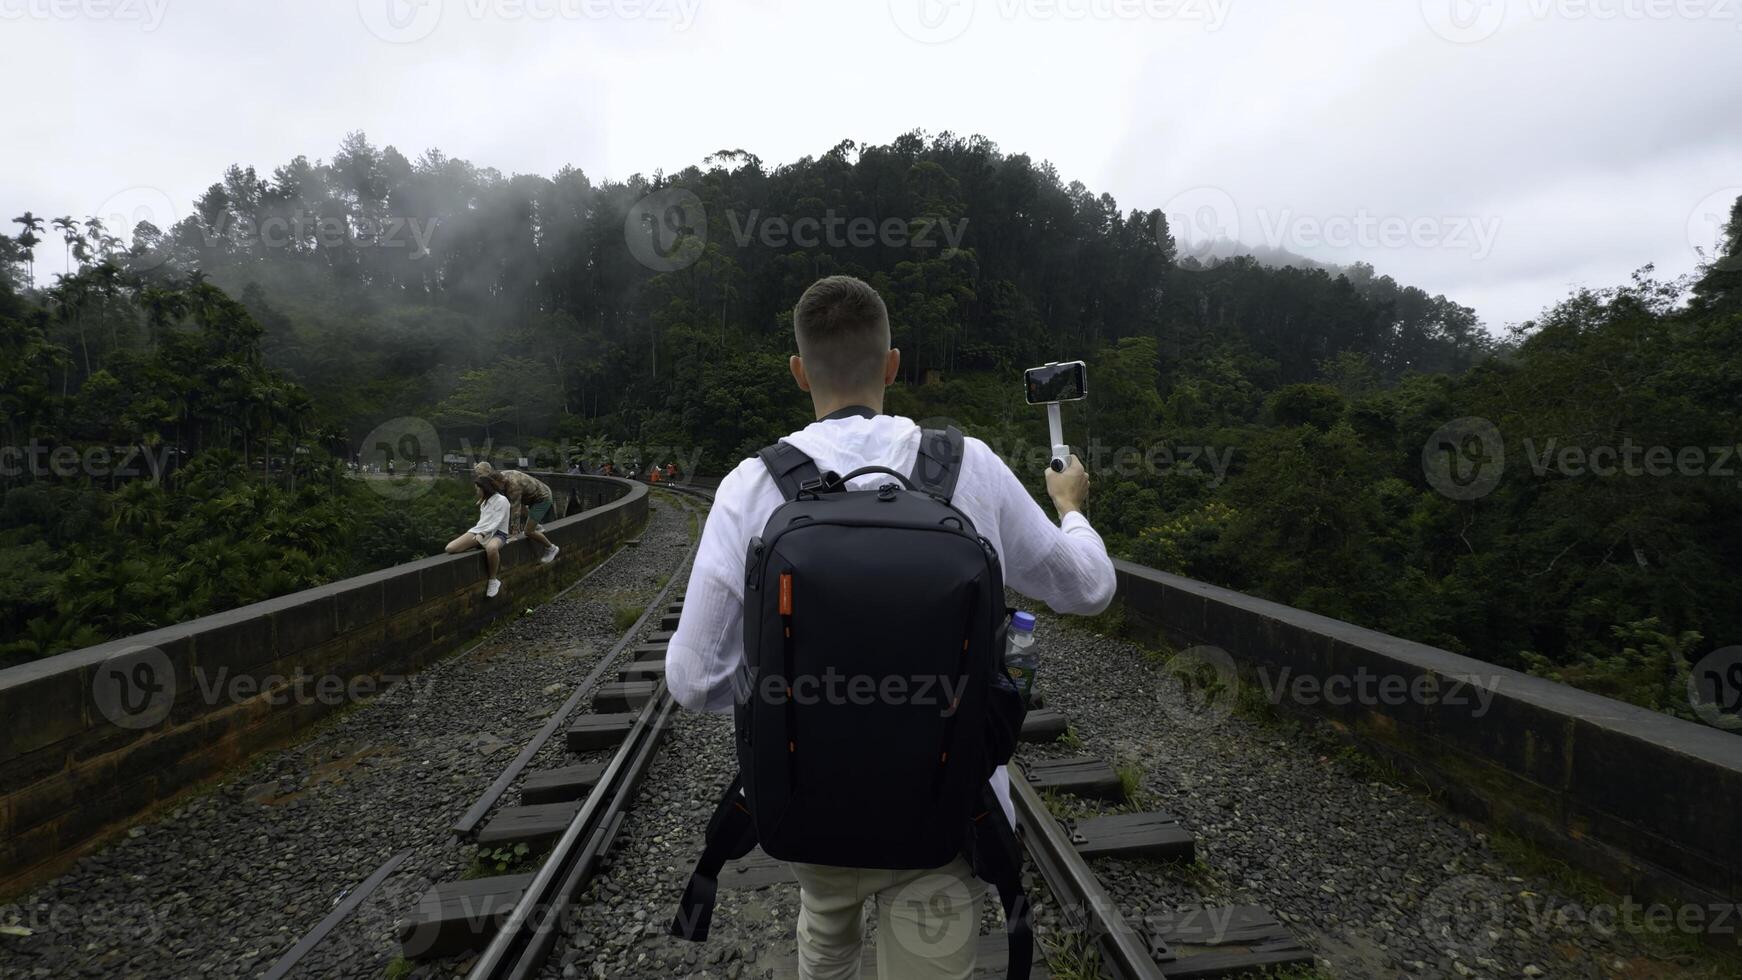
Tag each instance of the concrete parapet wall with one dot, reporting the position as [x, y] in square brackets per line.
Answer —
[1647, 802]
[91, 737]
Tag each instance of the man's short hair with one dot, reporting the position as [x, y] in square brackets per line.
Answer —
[482, 469]
[842, 329]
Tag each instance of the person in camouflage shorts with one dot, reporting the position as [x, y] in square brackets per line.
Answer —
[530, 497]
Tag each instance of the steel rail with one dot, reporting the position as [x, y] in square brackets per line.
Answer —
[347, 904]
[520, 947]
[517, 946]
[1124, 953]
[466, 827]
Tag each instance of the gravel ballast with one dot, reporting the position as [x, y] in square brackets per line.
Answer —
[1370, 875]
[230, 877]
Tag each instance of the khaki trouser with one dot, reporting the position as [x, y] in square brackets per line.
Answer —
[928, 922]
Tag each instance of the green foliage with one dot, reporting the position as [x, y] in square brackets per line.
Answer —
[624, 615]
[505, 859]
[1131, 781]
[181, 477]
[1320, 406]
[1071, 955]
[1260, 428]
[1651, 668]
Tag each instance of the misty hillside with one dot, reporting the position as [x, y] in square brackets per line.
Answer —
[1218, 250]
[430, 266]
[1261, 423]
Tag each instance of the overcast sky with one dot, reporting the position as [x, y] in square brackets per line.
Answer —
[1500, 152]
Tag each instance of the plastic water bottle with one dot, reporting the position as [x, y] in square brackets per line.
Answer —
[1021, 660]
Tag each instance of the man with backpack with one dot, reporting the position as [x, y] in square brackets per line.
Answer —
[822, 570]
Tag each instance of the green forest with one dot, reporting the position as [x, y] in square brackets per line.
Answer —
[1270, 429]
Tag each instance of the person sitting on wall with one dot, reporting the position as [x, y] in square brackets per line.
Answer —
[491, 531]
[531, 499]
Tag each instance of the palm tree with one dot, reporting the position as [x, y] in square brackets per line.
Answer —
[70, 292]
[69, 233]
[107, 277]
[27, 239]
[163, 308]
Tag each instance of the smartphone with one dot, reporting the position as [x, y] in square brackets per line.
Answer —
[1066, 382]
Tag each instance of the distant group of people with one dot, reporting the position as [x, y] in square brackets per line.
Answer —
[506, 497]
[655, 473]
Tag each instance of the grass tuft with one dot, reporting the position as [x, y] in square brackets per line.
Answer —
[1071, 956]
[625, 615]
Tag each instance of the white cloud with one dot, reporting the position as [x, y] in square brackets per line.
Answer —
[1589, 140]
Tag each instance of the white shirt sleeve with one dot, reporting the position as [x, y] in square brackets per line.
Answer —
[492, 515]
[1064, 565]
[705, 651]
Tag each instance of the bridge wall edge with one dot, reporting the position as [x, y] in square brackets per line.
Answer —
[70, 774]
[1646, 802]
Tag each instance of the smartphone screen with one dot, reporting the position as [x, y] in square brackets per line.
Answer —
[1057, 383]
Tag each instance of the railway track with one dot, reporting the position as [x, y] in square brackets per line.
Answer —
[512, 922]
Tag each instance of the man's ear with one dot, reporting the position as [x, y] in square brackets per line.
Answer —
[796, 364]
[891, 366]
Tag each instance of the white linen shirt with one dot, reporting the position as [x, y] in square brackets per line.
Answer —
[1065, 565]
[492, 516]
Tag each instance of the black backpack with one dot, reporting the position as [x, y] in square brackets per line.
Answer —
[872, 704]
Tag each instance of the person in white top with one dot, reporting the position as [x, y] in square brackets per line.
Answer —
[491, 531]
[845, 362]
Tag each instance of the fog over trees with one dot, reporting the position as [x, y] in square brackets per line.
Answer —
[1267, 426]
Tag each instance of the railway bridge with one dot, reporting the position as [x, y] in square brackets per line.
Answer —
[392, 775]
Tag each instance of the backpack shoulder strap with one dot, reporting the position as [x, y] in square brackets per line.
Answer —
[996, 857]
[789, 467]
[939, 462]
[731, 834]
